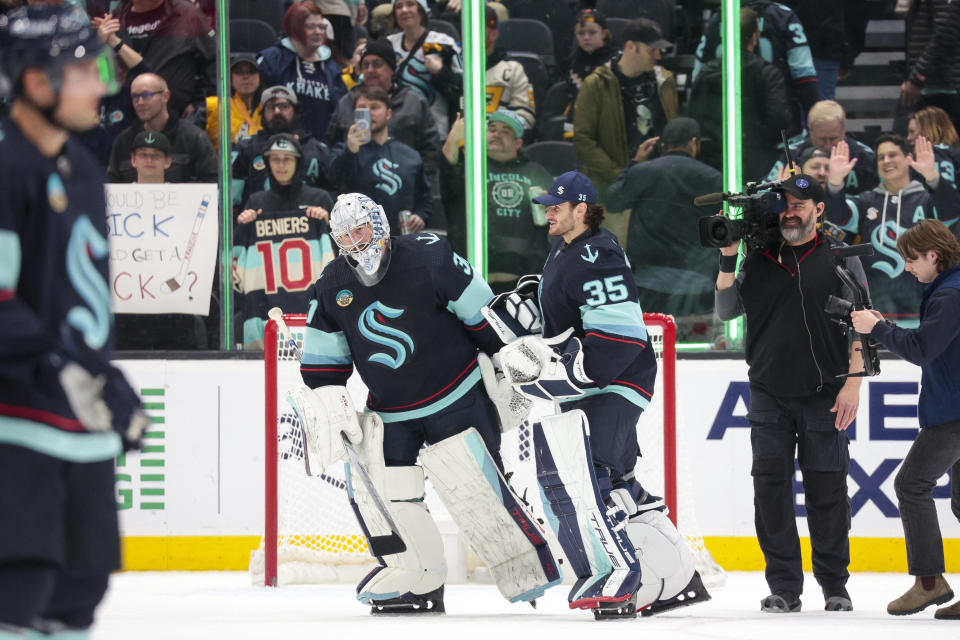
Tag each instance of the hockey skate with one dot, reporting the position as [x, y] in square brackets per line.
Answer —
[410, 603]
[693, 593]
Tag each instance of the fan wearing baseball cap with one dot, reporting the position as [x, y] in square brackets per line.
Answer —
[591, 314]
[150, 157]
[802, 398]
[622, 108]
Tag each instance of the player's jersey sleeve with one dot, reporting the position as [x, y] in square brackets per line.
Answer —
[614, 332]
[465, 293]
[326, 355]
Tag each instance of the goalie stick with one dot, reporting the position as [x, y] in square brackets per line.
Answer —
[386, 545]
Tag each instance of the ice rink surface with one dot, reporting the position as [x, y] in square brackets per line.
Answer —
[187, 605]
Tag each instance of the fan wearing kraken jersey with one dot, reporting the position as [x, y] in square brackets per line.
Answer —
[281, 242]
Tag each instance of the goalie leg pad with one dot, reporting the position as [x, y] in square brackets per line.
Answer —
[418, 571]
[596, 546]
[663, 549]
[491, 517]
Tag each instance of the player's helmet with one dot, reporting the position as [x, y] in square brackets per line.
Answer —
[49, 38]
[360, 228]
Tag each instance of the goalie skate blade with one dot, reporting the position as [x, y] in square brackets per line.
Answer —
[409, 603]
[623, 610]
[603, 601]
[693, 593]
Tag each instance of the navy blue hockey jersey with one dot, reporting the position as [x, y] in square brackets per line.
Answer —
[54, 295]
[588, 285]
[413, 336]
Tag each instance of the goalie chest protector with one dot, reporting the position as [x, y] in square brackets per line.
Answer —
[413, 336]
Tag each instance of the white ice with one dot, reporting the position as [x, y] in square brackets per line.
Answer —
[187, 605]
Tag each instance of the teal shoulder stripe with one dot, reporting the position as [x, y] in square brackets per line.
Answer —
[474, 297]
[9, 259]
[620, 318]
[472, 378]
[321, 347]
[42, 438]
[625, 392]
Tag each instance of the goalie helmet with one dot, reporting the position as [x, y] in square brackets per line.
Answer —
[49, 38]
[359, 227]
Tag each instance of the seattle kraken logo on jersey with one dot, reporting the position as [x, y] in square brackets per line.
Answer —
[373, 327]
[884, 240]
[390, 182]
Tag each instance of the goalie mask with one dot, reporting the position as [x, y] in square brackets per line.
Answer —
[359, 227]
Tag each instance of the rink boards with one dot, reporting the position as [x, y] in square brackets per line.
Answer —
[193, 499]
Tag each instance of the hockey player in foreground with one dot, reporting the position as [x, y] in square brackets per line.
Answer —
[64, 410]
[406, 311]
[594, 357]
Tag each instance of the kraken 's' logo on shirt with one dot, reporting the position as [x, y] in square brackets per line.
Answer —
[390, 182]
[373, 326]
[884, 240]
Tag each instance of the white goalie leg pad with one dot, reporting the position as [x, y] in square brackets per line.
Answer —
[491, 516]
[599, 552]
[422, 567]
[662, 550]
[512, 406]
[324, 413]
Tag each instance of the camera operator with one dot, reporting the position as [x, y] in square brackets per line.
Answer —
[798, 401]
[932, 254]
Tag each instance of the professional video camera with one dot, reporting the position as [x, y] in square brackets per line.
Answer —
[760, 225]
[839, 309]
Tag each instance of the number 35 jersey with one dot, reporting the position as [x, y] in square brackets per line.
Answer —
[587, 284]
[54, 292]
[413, 336]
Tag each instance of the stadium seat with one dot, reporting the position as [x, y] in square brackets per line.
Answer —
[556, 157]
[536, 73]
[443, 26]
[616, 26]
[250, 36]
[551, 128]
[530, 36]
[660, 11]
[269, 11]
[555, 101]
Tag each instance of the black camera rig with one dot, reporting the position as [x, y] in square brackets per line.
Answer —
[839, 309]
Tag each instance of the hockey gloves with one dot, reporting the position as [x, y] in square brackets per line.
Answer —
[325, 413]
[537, 369]
[515, 313]
[104, 401]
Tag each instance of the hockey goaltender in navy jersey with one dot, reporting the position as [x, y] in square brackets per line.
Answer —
[54, 296]
[587, 285]
[429, 296]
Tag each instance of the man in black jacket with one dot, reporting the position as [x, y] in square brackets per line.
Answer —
[279, 114]
[193, 157]
[674, 274]
[763, 104]
[798, 402]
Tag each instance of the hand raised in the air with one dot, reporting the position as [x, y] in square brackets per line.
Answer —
[922, 159]
[840, 164]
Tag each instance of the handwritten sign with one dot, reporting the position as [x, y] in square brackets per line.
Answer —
[163, 247]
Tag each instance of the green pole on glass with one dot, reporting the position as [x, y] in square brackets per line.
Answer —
[223, 117]
[475, 110]
[732, 129]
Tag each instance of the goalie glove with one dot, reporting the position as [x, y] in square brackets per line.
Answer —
[104, 402]
[324, 414]
[512, 406]
[535, 367]
[515, 313]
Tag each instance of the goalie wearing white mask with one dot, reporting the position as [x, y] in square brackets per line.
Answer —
[595, 359]
[406, 312]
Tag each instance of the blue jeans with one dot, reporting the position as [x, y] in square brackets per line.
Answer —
[935, 451]
[827, 72]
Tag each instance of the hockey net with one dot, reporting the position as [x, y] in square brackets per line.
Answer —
[311, 534]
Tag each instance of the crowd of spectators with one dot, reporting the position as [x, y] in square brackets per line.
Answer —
[366, 95]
